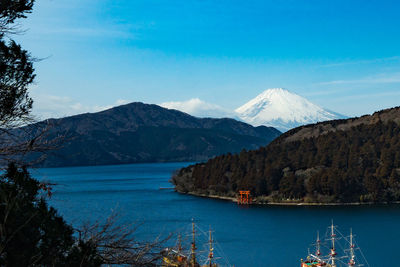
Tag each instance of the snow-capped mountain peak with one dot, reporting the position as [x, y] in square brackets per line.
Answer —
[283, 110]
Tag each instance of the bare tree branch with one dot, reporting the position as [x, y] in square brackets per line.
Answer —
[116, 244]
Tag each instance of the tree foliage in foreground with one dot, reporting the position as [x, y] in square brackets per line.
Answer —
[16, 66]
[31, 232]
[16, 75]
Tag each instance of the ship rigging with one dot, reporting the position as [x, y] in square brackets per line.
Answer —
[177, 256]
[341, 251]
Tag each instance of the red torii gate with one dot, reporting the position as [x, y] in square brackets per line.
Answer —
[244, 197]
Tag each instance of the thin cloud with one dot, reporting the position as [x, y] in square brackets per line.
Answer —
[50, 106]
[198, 108]
[369, 96]
[391, 78]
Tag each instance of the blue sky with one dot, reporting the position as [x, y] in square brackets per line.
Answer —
[341, 55]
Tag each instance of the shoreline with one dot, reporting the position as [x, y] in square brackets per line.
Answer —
[232, 199]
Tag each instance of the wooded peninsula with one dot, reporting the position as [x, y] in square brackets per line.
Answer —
[343, 161]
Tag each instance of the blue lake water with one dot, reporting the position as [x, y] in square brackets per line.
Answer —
[248, 236]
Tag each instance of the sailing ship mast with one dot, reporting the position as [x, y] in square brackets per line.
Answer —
[333, 251]
[318, 252]
[176, 257]
[332, 259]
[179, 243]
[352, 261]
[210, 253]
[193, 261]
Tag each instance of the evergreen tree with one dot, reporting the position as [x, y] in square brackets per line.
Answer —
[348, 164]
[31, 232]
[16, 66]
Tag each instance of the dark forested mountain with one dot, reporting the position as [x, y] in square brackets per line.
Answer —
[140, 132]
[354, 160]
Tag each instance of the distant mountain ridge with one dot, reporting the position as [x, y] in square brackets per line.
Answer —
[283, 110]
[139, 132]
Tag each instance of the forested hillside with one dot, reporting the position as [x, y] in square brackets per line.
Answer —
[354, 160]
[139, 132]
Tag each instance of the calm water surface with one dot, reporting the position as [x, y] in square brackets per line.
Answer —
[249, 236]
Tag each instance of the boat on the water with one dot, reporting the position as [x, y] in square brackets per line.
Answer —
[350, 255]
[177, 257]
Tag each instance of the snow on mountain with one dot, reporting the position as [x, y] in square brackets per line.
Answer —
[283, 110]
